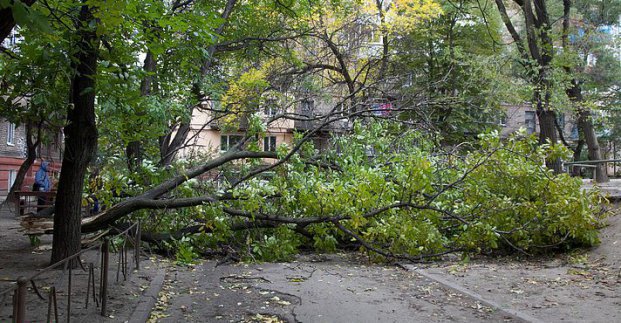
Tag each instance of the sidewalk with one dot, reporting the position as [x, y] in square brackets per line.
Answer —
[19, 258]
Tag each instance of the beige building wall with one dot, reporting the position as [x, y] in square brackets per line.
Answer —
[205, 135]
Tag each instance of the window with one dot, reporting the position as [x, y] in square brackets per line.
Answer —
[503, 120]
[270, 110]
[307, 107]
[229, 141]
[12, 176]
[342, 108]
[529, 121]
[10, 134]
[409, 80]
[269, 143]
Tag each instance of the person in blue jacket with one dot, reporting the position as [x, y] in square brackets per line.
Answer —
[42, 183]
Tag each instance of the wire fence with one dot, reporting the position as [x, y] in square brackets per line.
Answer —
[63, 292]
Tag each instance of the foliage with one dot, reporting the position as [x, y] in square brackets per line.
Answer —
[455, 61]
[407, 197]
[383, 186]
[406, 15]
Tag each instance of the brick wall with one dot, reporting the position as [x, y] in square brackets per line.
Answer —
[13, 155]
[18, 148]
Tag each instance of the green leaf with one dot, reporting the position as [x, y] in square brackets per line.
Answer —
[20, 13]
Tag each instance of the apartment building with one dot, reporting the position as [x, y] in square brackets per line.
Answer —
[524, 116]
[210, 135]
[13, 155]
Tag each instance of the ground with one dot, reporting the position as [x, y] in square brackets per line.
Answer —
[579, 286]
[19, 258]
[326, 288]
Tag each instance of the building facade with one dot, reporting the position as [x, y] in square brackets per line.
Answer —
[13, 155]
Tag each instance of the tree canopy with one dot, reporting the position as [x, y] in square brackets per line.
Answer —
[398, 91]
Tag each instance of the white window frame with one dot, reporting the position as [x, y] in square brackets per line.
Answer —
[270, 111]
[271, 108]
[225, 144]
[269, 143]
[11, 179]
[307, 107]
[10, 134]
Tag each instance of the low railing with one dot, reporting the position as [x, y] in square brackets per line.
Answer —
[32, 201]
[590, 164]
[20, 290]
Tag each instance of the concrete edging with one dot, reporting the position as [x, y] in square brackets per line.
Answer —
[149, 298]
[519, 316]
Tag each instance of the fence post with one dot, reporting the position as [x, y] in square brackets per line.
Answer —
[20, 300]
[104, 277]
[137, 245]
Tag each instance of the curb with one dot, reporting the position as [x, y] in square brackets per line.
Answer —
[145, 305]
[517, 315]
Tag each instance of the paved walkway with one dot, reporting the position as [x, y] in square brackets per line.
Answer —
[330, 288]
[611, 189]
[19, 258]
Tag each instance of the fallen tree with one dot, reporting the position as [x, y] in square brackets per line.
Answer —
[409, 200]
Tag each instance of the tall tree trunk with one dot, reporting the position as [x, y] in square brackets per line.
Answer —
[585, 126]
[379, 4]
[547, 126]
[134, 151]
[585, 122]
[80, 140]
[577, 153]
[31, 155]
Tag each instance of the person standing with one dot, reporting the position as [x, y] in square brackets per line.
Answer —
[42, 183]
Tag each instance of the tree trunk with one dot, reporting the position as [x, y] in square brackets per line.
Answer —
[577, 153]
[547, 132]
[586, 126]
[80, 140]
[134, 151]
[31, 155]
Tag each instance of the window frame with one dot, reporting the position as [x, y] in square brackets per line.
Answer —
[529, 129]
[228, 145]
[10, 134]
[269, 143]
[11, 178]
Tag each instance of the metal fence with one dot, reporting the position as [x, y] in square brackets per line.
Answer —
[592, 164]
[61, 296]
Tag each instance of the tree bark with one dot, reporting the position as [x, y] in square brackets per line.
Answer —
[149, 199]
[80, 140]
[585, 123]
[585, 126]
[538, 62]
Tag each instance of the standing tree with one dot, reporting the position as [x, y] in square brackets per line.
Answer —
[80, 136]
[536, 55]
